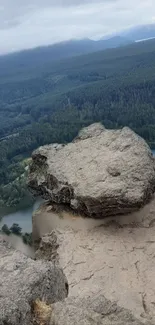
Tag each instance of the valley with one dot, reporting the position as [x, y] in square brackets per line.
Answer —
[50, 101]
[77, 162]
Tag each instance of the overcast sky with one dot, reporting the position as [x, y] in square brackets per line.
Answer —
[30, 23]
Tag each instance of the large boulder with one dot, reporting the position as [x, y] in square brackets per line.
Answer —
[101, 173]
[23, 281]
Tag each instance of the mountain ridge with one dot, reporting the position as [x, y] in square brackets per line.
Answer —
[64, 50]
[140, 32]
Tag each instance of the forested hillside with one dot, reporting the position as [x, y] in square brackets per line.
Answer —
[51, 101]
[39, 59]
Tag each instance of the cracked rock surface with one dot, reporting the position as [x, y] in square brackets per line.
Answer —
[101, 173]
[112, 257]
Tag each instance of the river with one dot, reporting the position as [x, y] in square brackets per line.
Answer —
[21, 217]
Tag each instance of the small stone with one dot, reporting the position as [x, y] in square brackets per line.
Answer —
[49, 208]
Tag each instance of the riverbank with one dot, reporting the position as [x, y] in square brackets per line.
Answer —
[22, 217]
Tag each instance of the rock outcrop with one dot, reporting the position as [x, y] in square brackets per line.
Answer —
[22, 281]
[96, 310]
[34, 292]
[114, 257]
[101, 173]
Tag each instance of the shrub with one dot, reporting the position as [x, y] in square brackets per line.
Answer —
[27, 239]
[16, 229]
[6, 230]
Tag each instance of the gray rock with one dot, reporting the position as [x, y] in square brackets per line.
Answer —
[91, 311]
[22, 281]
[48, 248]
[101, 173]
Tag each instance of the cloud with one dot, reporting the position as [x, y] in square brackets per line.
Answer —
[25, 24]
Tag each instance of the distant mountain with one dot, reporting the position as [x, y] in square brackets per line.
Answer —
[45, 54]
[140, 32]
[117, 41]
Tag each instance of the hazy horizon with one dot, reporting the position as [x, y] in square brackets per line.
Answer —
[40, 23]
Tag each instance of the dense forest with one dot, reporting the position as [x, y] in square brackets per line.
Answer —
[51, 101]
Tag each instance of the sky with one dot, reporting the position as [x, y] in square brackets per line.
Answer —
[30, 23]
